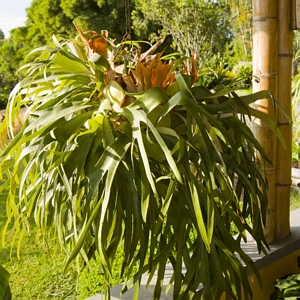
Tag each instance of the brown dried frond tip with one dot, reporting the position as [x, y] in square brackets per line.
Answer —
[95, 42]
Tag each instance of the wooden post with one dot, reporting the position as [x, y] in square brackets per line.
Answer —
[284, 156]
[265, 59]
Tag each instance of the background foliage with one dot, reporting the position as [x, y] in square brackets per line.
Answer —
[223, 27]
[199, 26]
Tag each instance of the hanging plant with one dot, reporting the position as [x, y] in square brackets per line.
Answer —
[119, 148]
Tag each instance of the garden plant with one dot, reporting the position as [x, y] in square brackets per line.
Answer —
[122, 147]
[287, 287]
[5, 293]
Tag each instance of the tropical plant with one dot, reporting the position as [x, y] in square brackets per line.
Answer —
[5, 293]
[243, 72]
[119, 148]
[215, 72]
[201, 26]
[287, 287]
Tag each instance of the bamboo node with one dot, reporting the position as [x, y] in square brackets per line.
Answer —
[283, 184]
[267, 75]
[290, 55]
[284, 123]
[264, 18]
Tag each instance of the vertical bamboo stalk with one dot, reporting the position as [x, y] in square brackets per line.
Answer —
[284, 157]
[265, 54]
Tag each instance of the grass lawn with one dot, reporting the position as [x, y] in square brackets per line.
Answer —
[38, 273]
[294, 199]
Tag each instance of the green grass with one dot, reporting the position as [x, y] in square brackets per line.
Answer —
[294, 199]
[39, 272]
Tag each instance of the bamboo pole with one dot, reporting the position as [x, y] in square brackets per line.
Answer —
[284, 156]
[265, 54]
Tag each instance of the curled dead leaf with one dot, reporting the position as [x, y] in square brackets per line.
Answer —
[94, 43]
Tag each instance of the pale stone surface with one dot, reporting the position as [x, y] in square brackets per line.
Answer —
[145, 293]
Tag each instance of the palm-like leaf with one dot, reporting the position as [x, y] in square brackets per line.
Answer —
[161, 171]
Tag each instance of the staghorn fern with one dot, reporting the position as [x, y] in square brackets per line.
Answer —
[119, 147]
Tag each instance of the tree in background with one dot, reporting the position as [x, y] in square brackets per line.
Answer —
[221, 28]
[43, 19]
[46, 17]
[98, 15]
[2, 37]
[199, 26]
[12, 54]
[241, 26]
[218, 31]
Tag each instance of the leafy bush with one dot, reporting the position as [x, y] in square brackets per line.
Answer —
[215, 72]
[287, 287]
[243, 73]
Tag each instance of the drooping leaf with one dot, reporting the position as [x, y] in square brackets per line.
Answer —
[140, 160]
[4, 286]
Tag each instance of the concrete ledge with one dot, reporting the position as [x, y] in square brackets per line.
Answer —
[280, 249]
[145, 293]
